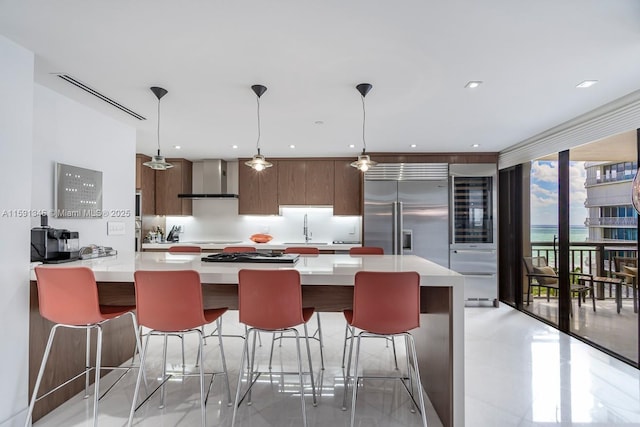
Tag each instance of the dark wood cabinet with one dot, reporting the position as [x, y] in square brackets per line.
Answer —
[291, 182]
[257, 191]
[170, 183]
[319, 182]
[305, 182]
[146, 185]
[347, 198]
[300, 182]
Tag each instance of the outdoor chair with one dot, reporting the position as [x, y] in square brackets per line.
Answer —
[627, 270]
[540, 274]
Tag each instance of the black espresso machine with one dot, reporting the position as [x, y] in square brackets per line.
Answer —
[54, 245]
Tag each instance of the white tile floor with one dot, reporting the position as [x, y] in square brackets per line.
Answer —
[519, 372]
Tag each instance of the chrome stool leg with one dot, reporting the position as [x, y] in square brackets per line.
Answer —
[313, 386]
[45, 357]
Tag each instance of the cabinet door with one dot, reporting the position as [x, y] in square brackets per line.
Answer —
[347, 189]
[170, 183]
[139, 165]
[291, 182]
[258, 191]
[146, 184]
[319, 182]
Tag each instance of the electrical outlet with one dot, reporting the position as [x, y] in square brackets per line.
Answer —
[180, 228]
[265, 229]
[353, 230]
[115, 228]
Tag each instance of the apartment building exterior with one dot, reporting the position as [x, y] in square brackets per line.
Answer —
[611, 216]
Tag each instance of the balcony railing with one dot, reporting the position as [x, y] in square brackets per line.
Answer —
[617, 178]
[591, 257]
[614, 221]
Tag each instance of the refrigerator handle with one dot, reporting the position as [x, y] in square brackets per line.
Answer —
[397, 234]
[394, 227]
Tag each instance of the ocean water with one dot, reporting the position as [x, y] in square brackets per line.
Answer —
[545, 233]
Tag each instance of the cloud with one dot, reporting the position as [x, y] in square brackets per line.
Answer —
[544, 192]
[544, 171]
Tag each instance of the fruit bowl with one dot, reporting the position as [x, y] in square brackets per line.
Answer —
[261, 238]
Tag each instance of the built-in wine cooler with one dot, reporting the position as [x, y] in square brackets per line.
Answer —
[472, 209]
[473, 249]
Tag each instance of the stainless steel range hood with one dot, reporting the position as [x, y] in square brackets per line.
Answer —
[210, 181]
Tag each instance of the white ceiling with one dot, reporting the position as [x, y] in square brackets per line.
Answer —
[418, 55]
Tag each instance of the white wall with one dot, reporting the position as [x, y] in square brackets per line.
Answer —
[39, 127]
[68, 132]
[16, 122]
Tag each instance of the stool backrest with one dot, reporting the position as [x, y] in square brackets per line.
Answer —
[304, 250]
[366, 250]
[386, 302]
[270, 299]
[169, 300]
[68, 295]
[239, 249]
[182, 248]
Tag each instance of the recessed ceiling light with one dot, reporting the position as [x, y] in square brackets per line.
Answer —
[177, 147]
[413, 146]
[476, 145]
[352, 145]
[473, 84]
[292, 146]
[319, 122]
[235, 147]
[586, 84]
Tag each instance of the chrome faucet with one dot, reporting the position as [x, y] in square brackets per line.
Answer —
[305, 230]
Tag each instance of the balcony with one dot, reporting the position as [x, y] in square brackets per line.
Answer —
[612, 221]
[591, 257]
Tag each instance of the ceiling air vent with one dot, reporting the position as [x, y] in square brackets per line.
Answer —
[97, 94]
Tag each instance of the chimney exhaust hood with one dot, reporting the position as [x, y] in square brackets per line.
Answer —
[210, 181]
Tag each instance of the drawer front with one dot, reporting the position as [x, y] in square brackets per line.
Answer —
[480, 286]
[473, 261]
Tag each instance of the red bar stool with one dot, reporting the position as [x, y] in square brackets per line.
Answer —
[170, 303]
[68, 297]
[317, 335]
[385, 304]
[302, 250]
[366, 250]
[271, 301]
[233, 249]
[183, 248]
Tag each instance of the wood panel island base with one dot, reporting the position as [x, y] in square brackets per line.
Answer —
[327, 285]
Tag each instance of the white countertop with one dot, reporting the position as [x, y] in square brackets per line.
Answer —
[259, 246]
[324, 269]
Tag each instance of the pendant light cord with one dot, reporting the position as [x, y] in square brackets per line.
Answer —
[258, 111]
[158, 126]
[364, 120]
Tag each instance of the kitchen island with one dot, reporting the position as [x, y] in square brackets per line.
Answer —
[327, 282]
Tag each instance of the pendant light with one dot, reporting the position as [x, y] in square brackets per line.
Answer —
[258, 162]
[158, 162]
[364, 162]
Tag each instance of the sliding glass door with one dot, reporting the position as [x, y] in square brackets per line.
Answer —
[569, 243]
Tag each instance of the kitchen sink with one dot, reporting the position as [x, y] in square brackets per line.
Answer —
[305, 243]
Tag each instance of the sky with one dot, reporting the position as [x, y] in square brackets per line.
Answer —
[544, 193]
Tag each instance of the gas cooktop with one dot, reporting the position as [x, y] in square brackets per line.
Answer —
[257, 257]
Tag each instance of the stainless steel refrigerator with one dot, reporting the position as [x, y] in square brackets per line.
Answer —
[408, 217]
